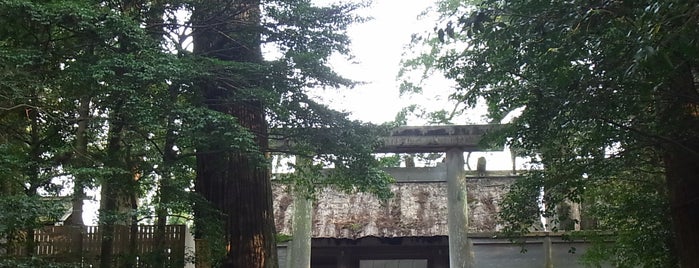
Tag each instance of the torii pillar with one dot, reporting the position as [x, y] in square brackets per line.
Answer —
[299, 249]
[460, 250]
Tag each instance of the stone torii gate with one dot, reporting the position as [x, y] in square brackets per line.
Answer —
[453, 140]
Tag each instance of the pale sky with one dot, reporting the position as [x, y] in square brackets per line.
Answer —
[378, 45]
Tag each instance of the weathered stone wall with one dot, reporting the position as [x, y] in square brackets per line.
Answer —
[484, 195]
[417, 209]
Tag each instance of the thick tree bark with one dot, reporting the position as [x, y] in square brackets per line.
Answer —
[251, 222]
[680, 114]
[682, 170]
[237, 184]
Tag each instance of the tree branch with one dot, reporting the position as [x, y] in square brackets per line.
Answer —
[649, 135]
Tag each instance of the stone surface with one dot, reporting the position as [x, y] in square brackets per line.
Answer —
[419, 139]
[417, 209]
[423, 139]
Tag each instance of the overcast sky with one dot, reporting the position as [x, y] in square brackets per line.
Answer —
[378, 45]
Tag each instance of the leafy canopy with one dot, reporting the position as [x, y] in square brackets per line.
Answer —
[128, 64]
[590, 82]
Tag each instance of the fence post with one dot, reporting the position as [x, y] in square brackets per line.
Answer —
[76, 240]
[202, 253]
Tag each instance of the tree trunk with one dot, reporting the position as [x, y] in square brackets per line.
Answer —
[80, 161]
[33, 171]
[680, 114]
[165, 191]
[681, 172]
[251, 220]
[130, 260]
[154, 21]
[116, 188]
[237, 184]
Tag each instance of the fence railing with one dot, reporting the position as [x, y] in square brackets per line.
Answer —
[82, 245]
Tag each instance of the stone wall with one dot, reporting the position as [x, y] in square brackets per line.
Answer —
[417, 209]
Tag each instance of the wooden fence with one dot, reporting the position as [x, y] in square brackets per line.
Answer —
[82, 245]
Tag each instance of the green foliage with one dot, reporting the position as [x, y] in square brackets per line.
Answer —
[213, 231]
[307, 35]
[58, 55]
[390, 161]
[631, 220]
[281, 238]
[90, 94]
[21, 212]
[595, 82]
[347, 147]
